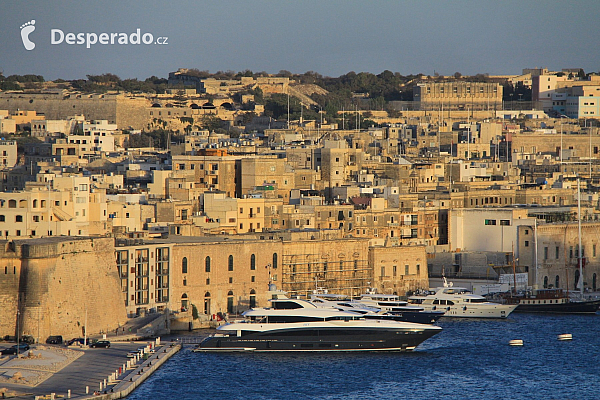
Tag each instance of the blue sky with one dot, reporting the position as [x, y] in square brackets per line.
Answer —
[330, 37]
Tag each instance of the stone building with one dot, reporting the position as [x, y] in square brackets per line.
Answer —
[557, 245]
[457, 94]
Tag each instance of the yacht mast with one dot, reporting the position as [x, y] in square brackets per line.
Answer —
[579, 253]
[535, 284]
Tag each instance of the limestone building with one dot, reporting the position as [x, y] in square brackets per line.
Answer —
[457, 94]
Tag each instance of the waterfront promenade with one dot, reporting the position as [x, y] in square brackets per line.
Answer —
[81, 373]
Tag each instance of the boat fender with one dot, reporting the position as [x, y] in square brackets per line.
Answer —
[465, 308]
[447, 308]
[433, 308]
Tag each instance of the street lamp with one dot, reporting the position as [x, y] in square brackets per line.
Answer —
[18, 317]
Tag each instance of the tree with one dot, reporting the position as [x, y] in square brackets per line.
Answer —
[457, 75]
[211, 122]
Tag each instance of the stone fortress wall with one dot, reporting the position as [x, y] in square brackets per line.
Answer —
[126, 112]
[61, 285]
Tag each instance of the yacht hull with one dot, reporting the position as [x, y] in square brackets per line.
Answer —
[571, 307]
[418, 317]
[496, 311]
[319, 339]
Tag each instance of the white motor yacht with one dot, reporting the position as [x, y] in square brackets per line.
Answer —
[299, 325]
[460, 302]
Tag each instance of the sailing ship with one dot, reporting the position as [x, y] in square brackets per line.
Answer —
[556, 300]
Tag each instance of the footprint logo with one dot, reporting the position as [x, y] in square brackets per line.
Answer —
[26, 29]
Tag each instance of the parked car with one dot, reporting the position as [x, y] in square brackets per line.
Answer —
[28, 339]
[57, 339]
[22, 347]
[101, 343]
[79, 341]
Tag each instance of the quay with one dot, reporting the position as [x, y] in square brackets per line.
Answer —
[57, 372]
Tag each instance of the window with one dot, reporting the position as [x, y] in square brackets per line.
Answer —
[545, 253]
[274, 260]
[184, 265]
[527, 243]
[253, 262]
[406, 269]
[2, 218]
[207, 264]
[230, 263]
[505, 222]
[490, 222]
[18, 218]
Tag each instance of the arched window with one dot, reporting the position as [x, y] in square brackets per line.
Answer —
[35, 203]
[252, 262]
[207, 303]
[252, 298]
[184, 302]
[230, 263]
[12, 204]
[230, 302]
[2, 218]
[557, 282]
[545, 282]
[207, 264]
[274, 260]
[184, 269]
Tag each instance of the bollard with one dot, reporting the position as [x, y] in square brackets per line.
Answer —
[87, 390]
[69, 394]
[105, 383]
[100, 386]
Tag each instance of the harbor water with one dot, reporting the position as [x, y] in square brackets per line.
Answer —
[469, 359]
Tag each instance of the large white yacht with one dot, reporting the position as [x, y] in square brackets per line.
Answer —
[378, 306]
[299, 325]
[460, 302]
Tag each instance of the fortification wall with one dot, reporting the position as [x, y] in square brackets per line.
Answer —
[64, 284]
[10, 270]
[125, 112]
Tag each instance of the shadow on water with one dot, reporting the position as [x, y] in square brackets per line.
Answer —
[469, 359]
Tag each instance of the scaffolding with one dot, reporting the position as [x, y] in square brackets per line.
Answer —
[304, 273]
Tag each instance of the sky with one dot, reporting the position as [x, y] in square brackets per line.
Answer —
[331, 37]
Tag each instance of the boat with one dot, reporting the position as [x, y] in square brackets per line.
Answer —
[291, 324]
[392, 308]
[552, 301]
[460, 302]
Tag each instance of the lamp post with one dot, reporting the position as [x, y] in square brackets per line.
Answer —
[18, 317]
[38, 333]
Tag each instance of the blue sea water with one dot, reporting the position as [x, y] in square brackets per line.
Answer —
[469, 359]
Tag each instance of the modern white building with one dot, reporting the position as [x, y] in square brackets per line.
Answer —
[486, 229]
